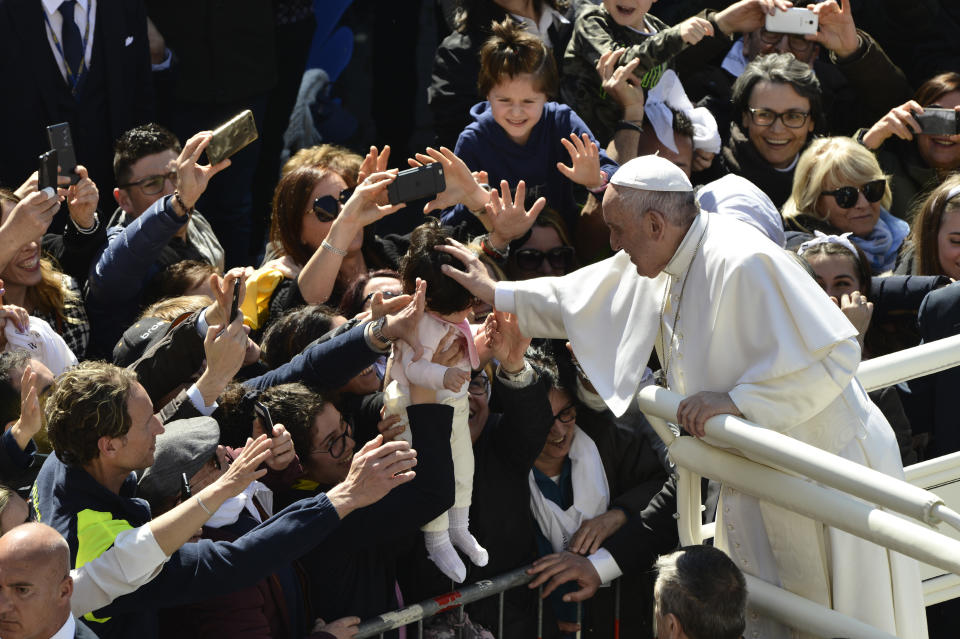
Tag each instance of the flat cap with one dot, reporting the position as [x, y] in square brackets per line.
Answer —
[184, 447]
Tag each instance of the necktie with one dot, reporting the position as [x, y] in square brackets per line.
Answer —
[72, 41]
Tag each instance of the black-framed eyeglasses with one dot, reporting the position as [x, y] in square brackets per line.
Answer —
[386, 295]
[847, 196]
[790, 119]
[796, 42]
[339, 443]
[479, 385]
[327, 207]
[567, 414]
[560, 258]
[152, 184]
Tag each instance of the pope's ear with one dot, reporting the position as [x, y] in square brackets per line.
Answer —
[654, 223]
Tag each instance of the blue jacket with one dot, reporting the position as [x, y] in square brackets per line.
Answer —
[484, 145]
[90, 517]
[125, 265]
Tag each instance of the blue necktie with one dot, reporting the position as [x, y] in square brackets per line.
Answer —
[71, 40]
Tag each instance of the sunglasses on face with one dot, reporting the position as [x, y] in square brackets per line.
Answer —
[847, 196]
[479, 385]
[560, 258]
[152, 184]
[327, 207]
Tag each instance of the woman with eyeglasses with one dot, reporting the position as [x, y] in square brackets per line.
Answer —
[318, 219]
[839, 187]
[545, 250]
[778, 102]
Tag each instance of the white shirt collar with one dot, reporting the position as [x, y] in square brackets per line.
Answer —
[69, 627]
[53, 6]
[793, 164]
[648, 28]
[735, 62]
[548, 15]
[681, 260]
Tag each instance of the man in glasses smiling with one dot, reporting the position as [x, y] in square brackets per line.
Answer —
[155, 226]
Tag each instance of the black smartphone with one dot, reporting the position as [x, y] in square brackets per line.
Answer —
[416, 183]
[62, 142]
[263, 413]
[938, 122]
[184, 488]
[234, 305]
[232, 136]
[47, 172]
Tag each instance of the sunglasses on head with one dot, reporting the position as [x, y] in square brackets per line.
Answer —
[847, 196]
[560, 258]
[327, 207]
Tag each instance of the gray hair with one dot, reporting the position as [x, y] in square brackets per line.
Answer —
[779, 68]
[680, 208]
[704, 590]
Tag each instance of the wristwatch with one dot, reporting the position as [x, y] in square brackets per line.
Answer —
[377, 329]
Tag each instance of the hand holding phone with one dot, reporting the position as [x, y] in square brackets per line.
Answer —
[938, 121]
[794, 21]
[232, 136]
[235, 304]
[416, 183]
[263, 413]
[62, 142]
[47, 173]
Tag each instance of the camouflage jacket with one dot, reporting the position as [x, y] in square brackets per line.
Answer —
[595, 33]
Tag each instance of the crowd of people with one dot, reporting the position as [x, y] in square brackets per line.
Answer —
[235, 405]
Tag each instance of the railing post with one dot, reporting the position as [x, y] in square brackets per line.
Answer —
[500, 615]
[616, 609]
[540, 612]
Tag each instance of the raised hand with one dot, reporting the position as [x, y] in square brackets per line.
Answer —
[621, 84]
[375, 470]
[29, 219]
[899, 121]
[373, 162]
[244, 469]
[748, 15]
[404, 324]
[222, 288]
[837, 30]
[82, 199]
[507, 215]
[29, 422]
[192, 178]
[368, 202]
[282, 448]
[475, 279]
[506, 342]
[462, 186]
[693, 30]
[584, 161]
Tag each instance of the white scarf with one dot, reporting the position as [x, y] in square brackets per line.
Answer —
[669, 94]
[591, 494]
[229, 512]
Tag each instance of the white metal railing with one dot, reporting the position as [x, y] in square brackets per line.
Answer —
[777, 470]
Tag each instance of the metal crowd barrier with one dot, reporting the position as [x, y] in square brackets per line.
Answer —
[470, 593]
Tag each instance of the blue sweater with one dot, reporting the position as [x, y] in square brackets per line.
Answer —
[485, 146]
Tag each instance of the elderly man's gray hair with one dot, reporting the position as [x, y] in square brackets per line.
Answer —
[679, 207]
[704, 590]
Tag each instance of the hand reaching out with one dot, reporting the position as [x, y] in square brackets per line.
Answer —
[82, 199]
[462, 186]
[506, 342]
[585, 161]
[693, 30]
[508, 218]
[621, 84]
[192, 177]
[375, 470]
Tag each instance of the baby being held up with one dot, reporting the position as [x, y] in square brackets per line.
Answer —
[447, 306]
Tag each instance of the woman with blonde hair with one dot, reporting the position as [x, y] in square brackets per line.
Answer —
[838, 187]
[936, 232]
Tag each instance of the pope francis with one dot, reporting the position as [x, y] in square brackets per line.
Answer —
[739, 327]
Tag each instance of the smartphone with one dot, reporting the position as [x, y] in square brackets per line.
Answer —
[414, 184]
[62, 142]
[798, 21]
[938, 122]
[47, 173]
[231, 137]
[263, 413]
[184, 488]
[235, 304]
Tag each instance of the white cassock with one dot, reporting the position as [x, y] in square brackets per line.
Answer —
[754, 324]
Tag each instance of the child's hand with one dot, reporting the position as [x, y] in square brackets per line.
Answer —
[693, 30]
[585, 161]
[455, 378]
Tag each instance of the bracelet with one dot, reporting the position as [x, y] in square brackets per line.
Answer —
[333, 249]
[202, 505]
[626, 125]
[492, 251]
[179, 200]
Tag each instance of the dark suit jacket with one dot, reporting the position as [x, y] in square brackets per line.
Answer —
[33, 99]
[934, 407]
[83, 632]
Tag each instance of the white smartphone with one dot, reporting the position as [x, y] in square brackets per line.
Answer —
[797, 21]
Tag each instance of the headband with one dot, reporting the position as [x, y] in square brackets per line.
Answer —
[822, 238]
